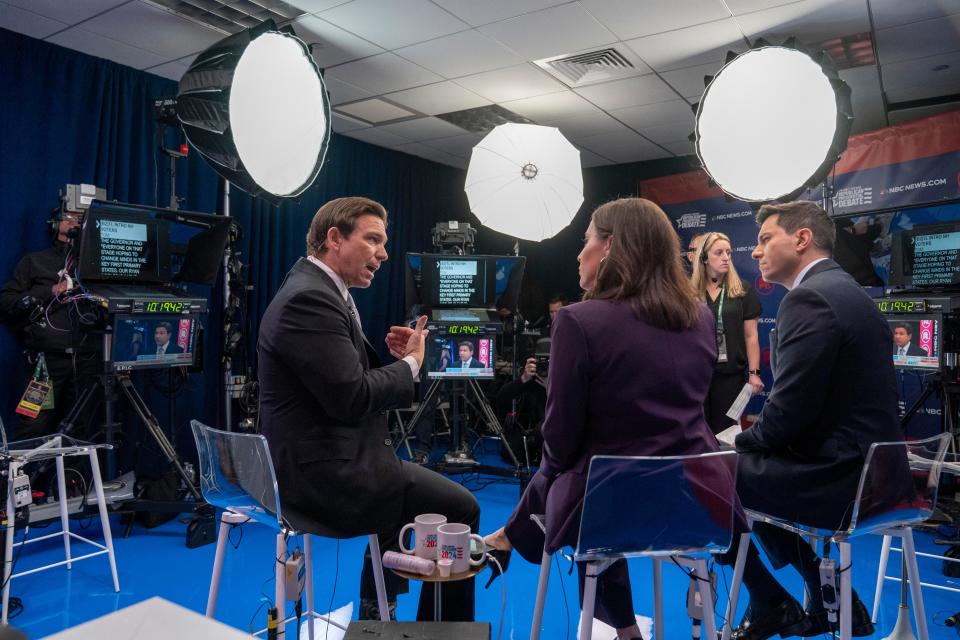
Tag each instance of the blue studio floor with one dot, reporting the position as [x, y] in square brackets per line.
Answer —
[156, 562]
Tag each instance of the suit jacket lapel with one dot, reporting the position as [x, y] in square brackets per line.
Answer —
[365, 350]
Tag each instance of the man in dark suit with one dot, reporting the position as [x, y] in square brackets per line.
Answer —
[324, 396]
[162, 344]
[467, 361]
[834, 394]
[903, 344]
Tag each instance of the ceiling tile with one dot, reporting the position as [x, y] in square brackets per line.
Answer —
[812, 21]
[906, 115]
[669, 132]
[331, 44]
[383, 73]
[342, 124]
[586, 126]
[460, 54]
[391, 24]
[863, 79]
[553, 106]
[374, 135]
[649, 115]
[512, 83]
[103, 47]
[461, 146]
[28, 23]
[868, 113]
[689, 81]
[68, 13]
[422, 129]
[374, 110]
[441, 97]
[919, 39]
[552, 32]
[590, 159]
[629, 147]
[923, 91]
[478, 13]
[633, 19]
[172, 70]
[740, 7]
[681, 147]
[889, 13]
[920, 73]
[628, 93]
[705, 43]
[147, 27]
[341, 91]
[314, 6]
[428, 153]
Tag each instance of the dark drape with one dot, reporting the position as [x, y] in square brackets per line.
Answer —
[67, 117]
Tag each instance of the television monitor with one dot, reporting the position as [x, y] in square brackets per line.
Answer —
[154, 341]
[124, 246]
[441, 281]
[917, 341]
[131, 243]
[459, 356]
[926, 257]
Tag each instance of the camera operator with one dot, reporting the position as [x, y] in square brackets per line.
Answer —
[34, 304]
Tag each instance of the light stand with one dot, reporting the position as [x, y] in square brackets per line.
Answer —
[227, 358]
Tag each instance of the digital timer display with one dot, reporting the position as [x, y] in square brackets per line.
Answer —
[463, 329]
[165, 306]
[902, 306]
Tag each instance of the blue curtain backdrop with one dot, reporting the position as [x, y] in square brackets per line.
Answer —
[67, 117]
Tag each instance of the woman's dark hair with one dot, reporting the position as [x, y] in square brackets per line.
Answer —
[644, 265]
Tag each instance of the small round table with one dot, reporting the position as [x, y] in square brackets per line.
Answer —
[438, 581]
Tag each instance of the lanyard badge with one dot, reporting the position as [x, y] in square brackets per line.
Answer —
[38, 395]
[721, 334]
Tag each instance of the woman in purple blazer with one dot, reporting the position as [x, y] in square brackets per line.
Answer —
[629, 369]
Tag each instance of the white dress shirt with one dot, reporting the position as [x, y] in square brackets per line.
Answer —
[807, 268]
[342, 288]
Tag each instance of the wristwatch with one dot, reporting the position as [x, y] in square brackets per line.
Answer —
[754, 372]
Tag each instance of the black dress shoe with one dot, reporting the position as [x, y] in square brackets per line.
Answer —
[785, 616]
[817, 623]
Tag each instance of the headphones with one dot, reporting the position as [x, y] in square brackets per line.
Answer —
[703, 253]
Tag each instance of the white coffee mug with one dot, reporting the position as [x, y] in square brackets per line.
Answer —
[424, 535]
[454, 543]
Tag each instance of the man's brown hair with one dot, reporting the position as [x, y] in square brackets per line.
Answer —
[643, 266]
[802, 214]
[341, 213]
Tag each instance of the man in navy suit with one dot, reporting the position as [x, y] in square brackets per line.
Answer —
[834, 394]
[161, 339]
[467, 361]
[903, 344]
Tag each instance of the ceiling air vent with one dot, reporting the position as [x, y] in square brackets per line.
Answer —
[591, 67]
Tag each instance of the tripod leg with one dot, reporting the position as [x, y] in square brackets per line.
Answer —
[491, 419]
[150, 421]
[427, 399]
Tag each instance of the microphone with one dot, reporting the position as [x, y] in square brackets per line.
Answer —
[74, 233]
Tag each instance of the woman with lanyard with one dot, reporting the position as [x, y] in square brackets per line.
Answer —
[736, 308]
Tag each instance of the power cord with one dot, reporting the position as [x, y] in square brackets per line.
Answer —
[563, 590]
[503, 592]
